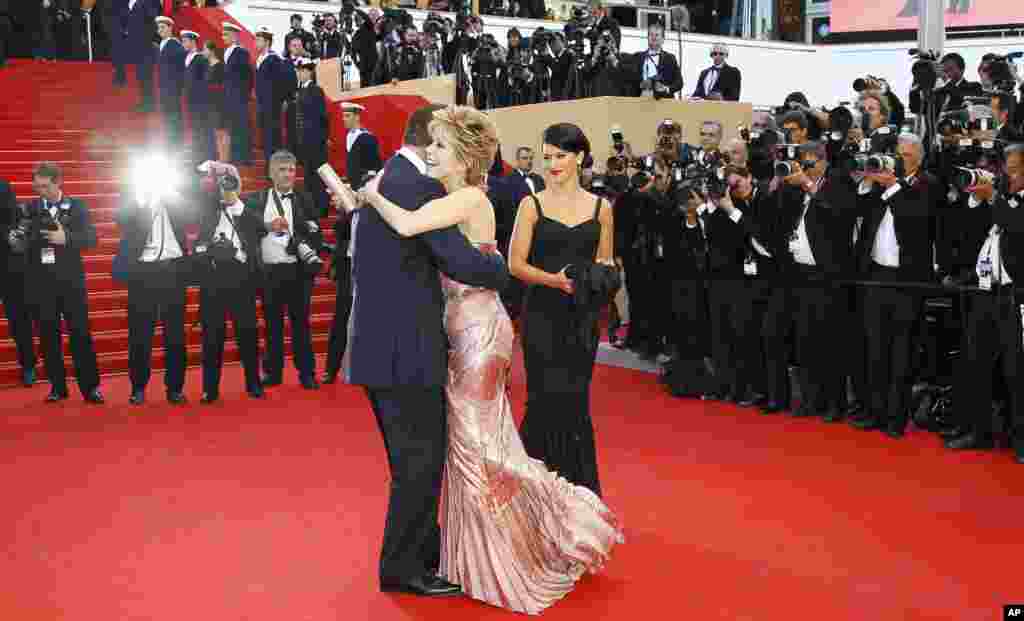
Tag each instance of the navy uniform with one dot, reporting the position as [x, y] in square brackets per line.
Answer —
[171, 60]
[310, 130]
[275, 83]
[136, 47]
[153, 262]
[237, 90]
[58, 277]
[197, 101]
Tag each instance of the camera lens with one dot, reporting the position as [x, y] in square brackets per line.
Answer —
[783, 169]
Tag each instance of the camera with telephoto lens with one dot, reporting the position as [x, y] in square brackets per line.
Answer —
[953, 121]
[645, 171]
[1000, 71]
[219, 249]
[786, 159]
[964, 177]
[884, 162]
[845, 117]
[435, 25]
[307, 248]
[32, 229]
[486, 57]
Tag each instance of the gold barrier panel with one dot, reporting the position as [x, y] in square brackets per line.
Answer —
[438, 90]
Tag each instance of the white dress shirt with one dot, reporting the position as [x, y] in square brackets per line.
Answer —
[163, 43]
[162, 244]
[274, 245]
[651, 61]
[227, 229]
[529, 182]
[990, 249]
[800, 245]
[227, 53]
[351, 137]
[262, 57]
[710, 80]
[132, 3]
[886, 250]
[190, 57]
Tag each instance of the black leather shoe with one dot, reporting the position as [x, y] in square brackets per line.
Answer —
[268, 380]
[138, 397]
[28, 377]
[309, 383]
[95, 397]
[256, 393]
[772, 407]
[804, 411]
[953, 432]
[711, 396]
[209, 397]
[833, 415]
[896, 431]
[866, 424]
[56, 394]
[175, 398]
[972, 441]
[428, 585]
[329, 377]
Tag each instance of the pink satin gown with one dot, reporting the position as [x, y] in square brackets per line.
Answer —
[514, 534]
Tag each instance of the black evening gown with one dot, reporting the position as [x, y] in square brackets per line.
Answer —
[557, 428]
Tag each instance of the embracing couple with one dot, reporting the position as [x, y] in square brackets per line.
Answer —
[432, 345]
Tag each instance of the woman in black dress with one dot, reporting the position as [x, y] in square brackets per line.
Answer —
[561, 226]
[215, 82]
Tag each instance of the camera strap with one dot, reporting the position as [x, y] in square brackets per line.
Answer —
[279, 207]
[231, 222]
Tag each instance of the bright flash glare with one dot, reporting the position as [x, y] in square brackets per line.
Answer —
[154, 178]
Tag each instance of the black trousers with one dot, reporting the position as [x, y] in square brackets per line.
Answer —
[144, 76]
[19, 319]
[57, 295]
[779, 327]
[993, 336]
[237, 122]
[342, 310]
[854, 331]
[312, 159]
[412, 423]
[688, 308]
[890, 318]
[170, 110]
[157, 293]
[286, 285]
[731, 312]
[229, 289]
[204, 144]
[270, 126]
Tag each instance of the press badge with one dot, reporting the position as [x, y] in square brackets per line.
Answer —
[48, 256]
[659, 251]
[750, 267]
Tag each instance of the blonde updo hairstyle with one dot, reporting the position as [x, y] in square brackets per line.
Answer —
[471, 136]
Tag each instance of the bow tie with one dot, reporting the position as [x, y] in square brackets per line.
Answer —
[289, 196]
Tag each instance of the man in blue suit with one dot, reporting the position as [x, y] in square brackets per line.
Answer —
[275, 83]
[237, 90]
[398, 353]
[197, 98]
[171, 60]
[137, 47]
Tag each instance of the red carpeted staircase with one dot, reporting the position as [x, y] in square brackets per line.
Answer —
[70, 114]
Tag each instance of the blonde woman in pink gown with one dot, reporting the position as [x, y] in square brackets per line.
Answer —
[514, 534]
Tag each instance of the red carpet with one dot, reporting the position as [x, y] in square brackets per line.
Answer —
[69, 113]
[274, 510]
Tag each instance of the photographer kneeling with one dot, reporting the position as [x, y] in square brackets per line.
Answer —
[228, 258]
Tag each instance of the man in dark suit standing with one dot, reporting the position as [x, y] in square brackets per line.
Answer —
[57, 274]
[951, 95]
[197, 98]
[657, 71]
[138, 22]
[398, 353]
[12, 287]
[229, 239]
[289, 218]
[171, 60]
[895, 245]
[114, 14]
[237, 91]
[720, 81]
[275, 83]
[523, 181]
[154, 264]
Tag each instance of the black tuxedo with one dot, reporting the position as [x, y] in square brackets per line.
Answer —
[230, 288]
[238, 78]
[950, 97]
[363, 158]
[156, 289]
[12, 289]
[311, 130]
[518, 187]
[560, 67]
[399, 353]
[172, 82]
[58, 289]
[728, 83]
[330, 45]
[286, 284]
[308, 42]
[200, 109]
[668, 72]
[275, 84]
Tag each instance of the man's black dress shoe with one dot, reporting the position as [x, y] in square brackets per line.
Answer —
[866, 424]
[138, 397]
[952, 432]
[428, 585]
[175, 398]
[971, 441]
[309, 383]
[268, 380]
[209, 397]
[28, 377]
[804, 411]
[896, 431]
[834, 415]
[95, 397]
[711, 396]
[772, 407]
[56, 394]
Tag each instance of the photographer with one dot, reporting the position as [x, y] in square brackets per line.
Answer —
[402, 58]
[486, 64]
[306, 37]
[1004, 108]
[950, 95]
[813, 246]
[364, 47]
[229, 247]
[516, 77]
[52, 234]
[152, 261]
[331, 42]
[12, 287]
[656, 72]
[993, 320]
[561, 62]
[894, 245]
[604, 73]
[290, 261]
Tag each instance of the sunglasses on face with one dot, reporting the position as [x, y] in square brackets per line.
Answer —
[713, 54]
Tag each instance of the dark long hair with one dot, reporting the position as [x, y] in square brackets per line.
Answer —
[569, 138]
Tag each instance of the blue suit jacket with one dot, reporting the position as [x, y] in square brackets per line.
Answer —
[364, 157]
[197, 90]
[518, 187]
[397, 335]
[138, 23]
[275, 82]
[171, 61]
[237, 80]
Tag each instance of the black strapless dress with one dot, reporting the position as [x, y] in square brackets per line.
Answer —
[557, 428]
